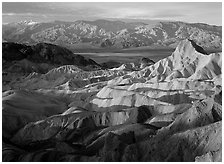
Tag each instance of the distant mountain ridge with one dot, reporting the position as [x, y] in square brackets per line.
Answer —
[113, 34]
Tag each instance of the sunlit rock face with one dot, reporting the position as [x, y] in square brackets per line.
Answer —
[166, 111]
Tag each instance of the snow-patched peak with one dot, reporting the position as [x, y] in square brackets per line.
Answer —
[28, 22]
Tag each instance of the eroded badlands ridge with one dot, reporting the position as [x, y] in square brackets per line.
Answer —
[168, 111]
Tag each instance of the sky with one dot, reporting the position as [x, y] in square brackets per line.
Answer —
[192, 12]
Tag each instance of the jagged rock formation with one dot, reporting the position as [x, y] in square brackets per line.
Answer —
[115, 34]
[167, 111]
[146, 62]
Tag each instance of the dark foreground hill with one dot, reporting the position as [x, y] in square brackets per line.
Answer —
[20, 60]
[43, 53]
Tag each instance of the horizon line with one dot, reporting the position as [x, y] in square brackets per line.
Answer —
[115, 19]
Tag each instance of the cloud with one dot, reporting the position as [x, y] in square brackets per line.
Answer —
[71, 11]
[168, 14]
[19, 14]
[8, 14]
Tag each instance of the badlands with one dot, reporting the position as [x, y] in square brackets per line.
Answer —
[166, 111]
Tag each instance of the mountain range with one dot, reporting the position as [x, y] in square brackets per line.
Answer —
[113, 34]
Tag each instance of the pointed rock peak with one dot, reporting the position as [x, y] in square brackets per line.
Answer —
[188, 45]
[197, 47]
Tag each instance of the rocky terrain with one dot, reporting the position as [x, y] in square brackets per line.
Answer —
[104, 34]
[166, 111]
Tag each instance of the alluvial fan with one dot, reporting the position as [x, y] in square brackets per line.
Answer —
[166, 111]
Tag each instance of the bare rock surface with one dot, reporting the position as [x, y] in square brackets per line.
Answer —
[166, 111]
